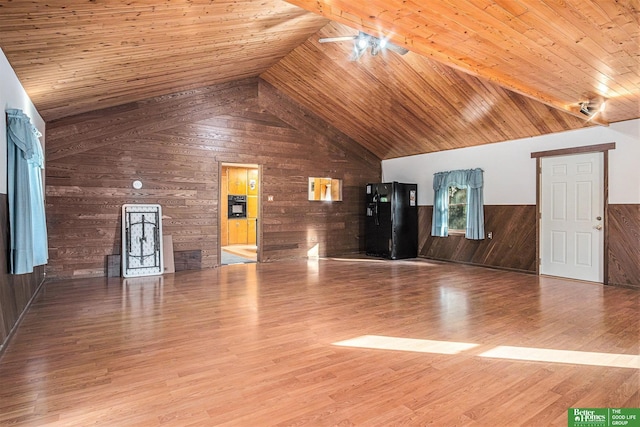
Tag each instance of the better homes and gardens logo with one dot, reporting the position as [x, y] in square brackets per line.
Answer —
[588, 417]
[604, 417]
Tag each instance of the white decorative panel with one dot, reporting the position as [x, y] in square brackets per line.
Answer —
[141, 240]
[583, 249]
[584, 200]
[584, 168]
[559, 201]
[559, 247]
[559, 170]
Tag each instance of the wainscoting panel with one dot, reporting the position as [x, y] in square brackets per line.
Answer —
[514, 241]
[624, 245]
[15, 291]
[513, 245]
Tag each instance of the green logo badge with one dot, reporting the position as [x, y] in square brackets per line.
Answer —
[604, 417]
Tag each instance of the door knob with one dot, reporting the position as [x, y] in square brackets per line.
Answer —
[598, 227]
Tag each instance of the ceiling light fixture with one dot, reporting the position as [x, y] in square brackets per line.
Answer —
[590, 110]
[584, 108]
[364, 41]
[603, 106]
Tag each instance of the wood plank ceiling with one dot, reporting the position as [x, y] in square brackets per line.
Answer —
[405, 105]
[479, 71]
[74, 56]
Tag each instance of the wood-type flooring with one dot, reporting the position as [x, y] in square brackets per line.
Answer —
[322, 343]
[245, 251]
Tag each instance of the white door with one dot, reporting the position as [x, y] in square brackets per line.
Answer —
[571, 226]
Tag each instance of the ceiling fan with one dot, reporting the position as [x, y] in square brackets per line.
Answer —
[363, 41]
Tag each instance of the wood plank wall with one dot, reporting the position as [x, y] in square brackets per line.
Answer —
[338, 227]
[624, 245]
[514, 241]
[513, 245]
[15, 291]
[174, 144]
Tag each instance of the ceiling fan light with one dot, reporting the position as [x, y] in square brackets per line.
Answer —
[356, 52]
[603, 106]
[363, 42]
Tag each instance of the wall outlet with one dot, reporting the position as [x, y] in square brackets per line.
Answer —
[490, 235]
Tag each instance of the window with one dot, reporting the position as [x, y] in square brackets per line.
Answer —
[458, 203]
[457, 209]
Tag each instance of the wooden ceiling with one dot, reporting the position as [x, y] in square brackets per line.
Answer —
[74, 56]
[479, 71]
[404, 105]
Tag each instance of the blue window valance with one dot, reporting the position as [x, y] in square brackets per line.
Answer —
[27, 221]
[473, 180]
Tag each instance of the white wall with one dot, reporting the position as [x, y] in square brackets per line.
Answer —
[13, 95]
[509, 170]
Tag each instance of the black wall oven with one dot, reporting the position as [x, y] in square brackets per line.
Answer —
[237, 206]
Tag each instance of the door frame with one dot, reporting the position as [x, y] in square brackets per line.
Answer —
[259, 244]
[604, 149]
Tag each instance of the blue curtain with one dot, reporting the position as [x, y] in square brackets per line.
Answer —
[473, 180]
[27, 222]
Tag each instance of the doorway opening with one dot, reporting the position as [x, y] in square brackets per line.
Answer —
[239, 213]
[572, 207]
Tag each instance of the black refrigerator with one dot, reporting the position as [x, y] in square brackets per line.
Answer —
[391, 225]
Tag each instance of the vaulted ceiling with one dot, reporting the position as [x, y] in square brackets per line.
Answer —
[478, 71]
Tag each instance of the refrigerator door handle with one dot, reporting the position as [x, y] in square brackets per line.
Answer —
[393, 214]
[376, 213]
[394, 206]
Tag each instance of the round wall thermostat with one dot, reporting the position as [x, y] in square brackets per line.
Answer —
[137, 184]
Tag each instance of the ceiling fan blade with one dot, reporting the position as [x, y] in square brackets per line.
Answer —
[336, 39]
[357, 52]
[397, 49]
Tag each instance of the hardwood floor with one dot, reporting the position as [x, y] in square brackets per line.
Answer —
[245, 251]
[322, 343]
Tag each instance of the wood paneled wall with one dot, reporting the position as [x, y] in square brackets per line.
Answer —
[15, 291]
[174, 145]
[514, 241]
[513, 245]
[337, 227]
[624, 245]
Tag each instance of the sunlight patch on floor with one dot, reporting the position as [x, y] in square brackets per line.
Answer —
[528, 354]
[406, 344]
[533, 354]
